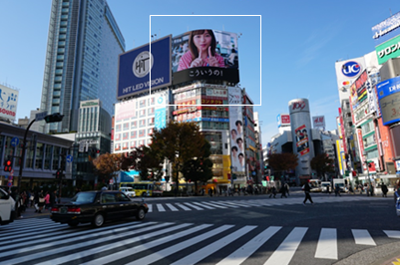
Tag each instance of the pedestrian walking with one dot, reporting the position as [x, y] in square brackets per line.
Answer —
[307, 190]
[283, 191]
[273, 192]
[337, 190]
[40, 202]
[47, 200]
[287, 189]
[384, 189]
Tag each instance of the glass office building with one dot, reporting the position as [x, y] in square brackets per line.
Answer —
[84, 42]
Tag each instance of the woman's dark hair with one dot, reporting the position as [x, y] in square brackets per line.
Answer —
[234, 148]
[193, 48]
[238, 122]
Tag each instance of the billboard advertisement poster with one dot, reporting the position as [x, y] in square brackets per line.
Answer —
[302, 140]
[136, 66]
[236, 132]
[387, 50]
[389, 100]
[387, 29]
[347, 71]
[8, 102]
[205, 54]
[342, 129]
[318, 121]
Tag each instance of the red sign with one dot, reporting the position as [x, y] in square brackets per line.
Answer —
[298, 105]
[285, 119]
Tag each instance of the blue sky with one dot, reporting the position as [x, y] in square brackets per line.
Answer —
[301, 41]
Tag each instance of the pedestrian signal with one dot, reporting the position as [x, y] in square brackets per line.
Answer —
[8, 166]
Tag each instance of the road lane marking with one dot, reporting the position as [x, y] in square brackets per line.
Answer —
[202, 204]
[179, 247]
[172, 207]
[183, 206]
[327, 244]
[362, 237]
[213, 247]
[392, 233]
[242, 253]
[284, 253]
[193, 206]
[160, 207]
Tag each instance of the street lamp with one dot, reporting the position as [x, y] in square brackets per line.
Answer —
[55, 117]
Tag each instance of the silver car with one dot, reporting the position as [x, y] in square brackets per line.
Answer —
[128, 191]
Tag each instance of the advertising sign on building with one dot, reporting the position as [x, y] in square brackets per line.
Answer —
[8, 103]
[283, 120]
[387, 29]
[361, 113]
[318, 121]
[236, 131]
[389, 100]
[342, 130]
[205, 54]
[346, 72]
[137, 66]
[387, 50]
[125, 110]
[302, 141]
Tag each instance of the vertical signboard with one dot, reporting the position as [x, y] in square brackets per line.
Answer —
[339, 152]
[236, 131]
[342, 130]
[160, 119]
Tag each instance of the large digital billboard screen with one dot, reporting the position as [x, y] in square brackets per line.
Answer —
[389, 100]
[205, 54]
[387, 29]
[136, 66]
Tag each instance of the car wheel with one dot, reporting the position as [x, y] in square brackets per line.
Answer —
[98, 220]
[73, 224]
[140, 214]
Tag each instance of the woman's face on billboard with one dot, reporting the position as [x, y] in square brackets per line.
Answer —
[202, 41]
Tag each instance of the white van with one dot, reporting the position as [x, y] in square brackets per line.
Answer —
[7, 208]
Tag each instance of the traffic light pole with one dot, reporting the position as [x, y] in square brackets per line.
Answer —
[21, 166]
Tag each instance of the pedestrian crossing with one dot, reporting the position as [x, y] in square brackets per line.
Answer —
[226, 204]
[41, 241]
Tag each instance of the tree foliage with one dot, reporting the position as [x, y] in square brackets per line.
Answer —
[282, 162]
[322, 164]
[106, 165]
[199, 170]
[181, 143]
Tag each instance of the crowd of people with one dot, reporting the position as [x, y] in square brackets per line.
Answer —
[38, 198]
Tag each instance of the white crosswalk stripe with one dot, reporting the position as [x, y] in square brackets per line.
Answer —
[226, 204]
[147, 242]
[327, 244]
[362, 237]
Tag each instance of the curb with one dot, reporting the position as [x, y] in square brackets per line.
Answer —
[378, 255]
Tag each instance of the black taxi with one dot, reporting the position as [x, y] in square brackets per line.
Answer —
[97, 207]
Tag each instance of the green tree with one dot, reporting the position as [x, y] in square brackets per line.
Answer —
[145, 160]
[199, 170]
[280, 163]
[323, 164]
[179, 143]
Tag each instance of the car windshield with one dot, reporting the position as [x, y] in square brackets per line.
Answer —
[325, 184]
[84, 197]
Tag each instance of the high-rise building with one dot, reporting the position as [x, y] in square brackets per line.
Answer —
[83, 45]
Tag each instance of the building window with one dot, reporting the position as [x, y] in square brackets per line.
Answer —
[142, 103]
[125, 136]
[142, 113]
[133, 144]
[126, 126]
[133, 135]
[133, 125]
[56, 157]
[47, 159]
[151, 111]
[150, 121]
[142, 123]
[142, 133]
[118, 128]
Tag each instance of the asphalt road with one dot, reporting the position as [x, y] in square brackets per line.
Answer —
[350, 229]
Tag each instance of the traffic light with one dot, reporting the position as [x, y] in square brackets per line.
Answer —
[55, 117]
[8, 165]
[58, 174]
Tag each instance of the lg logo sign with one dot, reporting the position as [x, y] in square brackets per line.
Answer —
[299, 105]
[351, 69]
